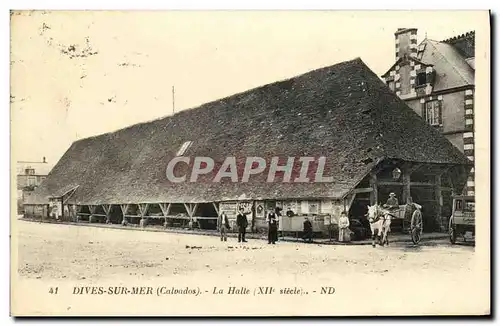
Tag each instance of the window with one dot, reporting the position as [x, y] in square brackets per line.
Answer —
[30, 171]
[31, 181]
[421, 79]
[314, 207]
[458, 205]
[183, 148]
[470, 206]
[433, 113]
[391, 85]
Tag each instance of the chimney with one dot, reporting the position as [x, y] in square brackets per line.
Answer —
[44, 161]
[406, 42]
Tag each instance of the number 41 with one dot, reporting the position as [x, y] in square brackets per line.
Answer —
[53, 290]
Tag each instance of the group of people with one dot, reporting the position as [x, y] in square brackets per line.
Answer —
[242, 224]
[272, 219]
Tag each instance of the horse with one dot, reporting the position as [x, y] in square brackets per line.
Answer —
[380, 224]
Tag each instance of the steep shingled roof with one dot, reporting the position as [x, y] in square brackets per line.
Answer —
[464, 44]
[451, 68]
[344, 112]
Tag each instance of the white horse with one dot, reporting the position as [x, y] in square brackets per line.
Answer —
[380, 224]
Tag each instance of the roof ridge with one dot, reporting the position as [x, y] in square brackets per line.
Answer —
[458, 37]
[171, 116]
[448, 61]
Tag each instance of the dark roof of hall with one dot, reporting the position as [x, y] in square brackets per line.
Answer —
[343, 112]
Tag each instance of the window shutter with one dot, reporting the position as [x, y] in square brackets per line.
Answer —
[430, 77]
[440, 114]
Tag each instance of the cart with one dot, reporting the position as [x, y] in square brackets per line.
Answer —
[416, 229]
[462, 220]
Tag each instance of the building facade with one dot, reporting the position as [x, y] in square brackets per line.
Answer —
[29, 176]
[436, 79]
[370, 144]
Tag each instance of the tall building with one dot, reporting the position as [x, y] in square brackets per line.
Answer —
[436, 79]
[29, 175]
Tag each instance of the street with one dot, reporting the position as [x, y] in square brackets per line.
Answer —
[65, 254]
[50, 251]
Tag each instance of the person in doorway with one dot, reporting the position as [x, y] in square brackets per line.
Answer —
[308, 230]
[416, 218]
[272, 223]
[223, 225]
[241, 223]
[343, 227]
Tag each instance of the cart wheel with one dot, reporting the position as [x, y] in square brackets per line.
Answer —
[452, 232]
[415, 235]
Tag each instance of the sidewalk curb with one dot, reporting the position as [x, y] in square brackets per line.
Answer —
[325, 242]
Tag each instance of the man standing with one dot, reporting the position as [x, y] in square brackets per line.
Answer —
[308, 230]
[241, 223]
[392, 202]
[223, 225]
[272, 231]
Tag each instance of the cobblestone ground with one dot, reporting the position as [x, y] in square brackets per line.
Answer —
[423, 277]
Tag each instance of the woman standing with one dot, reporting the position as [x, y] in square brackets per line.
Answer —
[343, 227]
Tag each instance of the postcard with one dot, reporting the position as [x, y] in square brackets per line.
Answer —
[250, 163]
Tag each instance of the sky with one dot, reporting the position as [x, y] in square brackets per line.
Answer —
[76, 74]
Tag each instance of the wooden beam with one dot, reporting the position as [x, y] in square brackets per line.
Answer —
[348, 200]
[165, 208]
[188, 209]
[407, 182]
[374, 185]
[124, 208]
[143, 209]
[413, 167]
[424, 184]
[390, 183]
[106, 208]
[361, 190]
[92, 209]
[439, 198]
[216, 208]
[194, 208]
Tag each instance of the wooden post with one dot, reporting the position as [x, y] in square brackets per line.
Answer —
[124, 208]
[92, 209]
[77, 210]
[439, 199]
[188, 209]
[406, 185]
[216, 208]
[190, 213]
[374, 186]
[62, 210]
[143, 209]
[165, 209]
[107, 210]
